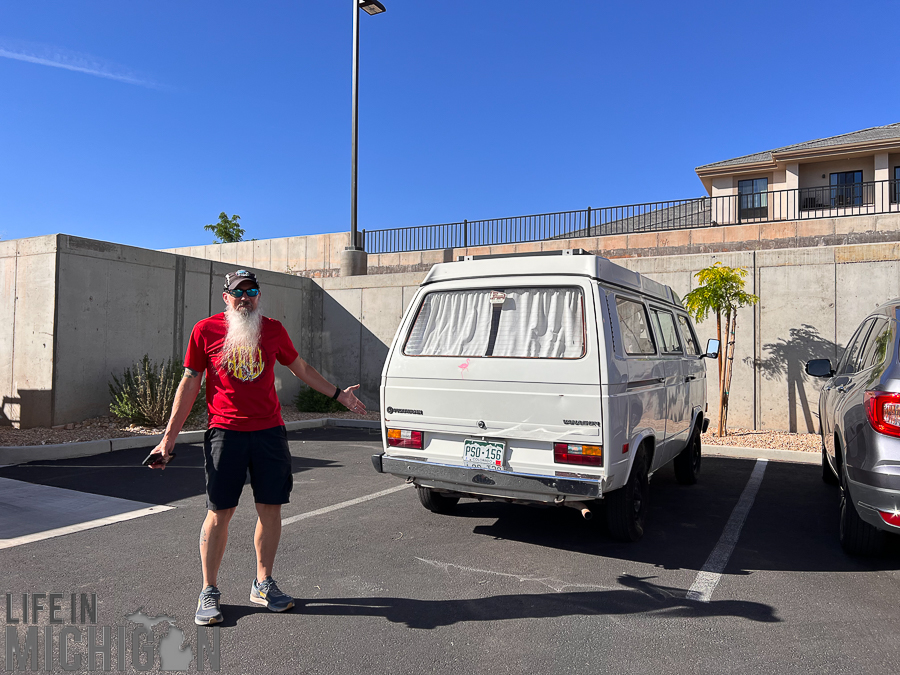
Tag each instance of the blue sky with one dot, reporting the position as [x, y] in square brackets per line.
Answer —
[138, 122]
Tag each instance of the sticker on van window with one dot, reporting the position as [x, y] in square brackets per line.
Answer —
[497, 298]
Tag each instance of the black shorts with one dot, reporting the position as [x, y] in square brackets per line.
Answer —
[230, 454]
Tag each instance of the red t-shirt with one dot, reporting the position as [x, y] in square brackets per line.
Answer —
[240, 394]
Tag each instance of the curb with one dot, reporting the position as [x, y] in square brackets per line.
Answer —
[35, 453]
[39, 453]
[795, 456]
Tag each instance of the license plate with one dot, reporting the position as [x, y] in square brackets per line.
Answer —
[484, 454]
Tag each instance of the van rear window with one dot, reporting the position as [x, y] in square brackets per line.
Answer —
[546, 323]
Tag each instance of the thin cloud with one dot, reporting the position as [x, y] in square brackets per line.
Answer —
[56, 57]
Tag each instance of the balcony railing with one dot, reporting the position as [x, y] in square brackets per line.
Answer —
[830, 201]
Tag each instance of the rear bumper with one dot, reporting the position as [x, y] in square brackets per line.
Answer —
[496, 484]
[870, 500]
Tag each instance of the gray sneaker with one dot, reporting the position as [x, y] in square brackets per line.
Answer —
[267, 593]
[208, 611]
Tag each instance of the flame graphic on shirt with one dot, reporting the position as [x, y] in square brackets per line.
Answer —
[243, 364]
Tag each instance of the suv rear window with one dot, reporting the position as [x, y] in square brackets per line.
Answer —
[546, 323]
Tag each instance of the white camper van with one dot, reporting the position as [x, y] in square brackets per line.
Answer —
[543, 379]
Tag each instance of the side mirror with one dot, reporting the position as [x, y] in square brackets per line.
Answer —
[819, 368]
[712, 349]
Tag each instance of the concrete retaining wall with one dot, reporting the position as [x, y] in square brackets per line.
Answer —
[27, 329]
[85, 309]
[812, 299]
[320, 254]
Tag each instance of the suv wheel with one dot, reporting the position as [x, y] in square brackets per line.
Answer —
[687, 462]
[626, 508]
[434, 501]
[857, 536]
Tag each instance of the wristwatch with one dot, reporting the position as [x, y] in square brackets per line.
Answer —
[337, 392]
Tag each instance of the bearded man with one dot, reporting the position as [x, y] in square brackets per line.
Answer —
[238, 349]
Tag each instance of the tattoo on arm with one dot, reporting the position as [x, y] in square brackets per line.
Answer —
[191, 373]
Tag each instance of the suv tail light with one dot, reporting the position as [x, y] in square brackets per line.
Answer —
[890, 517]
[883, 411]
[567, 453]
[404, 438]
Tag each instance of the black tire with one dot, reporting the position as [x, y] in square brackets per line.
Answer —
[434, 501]
[687, 462]
[627, 507]
[856, 535]
[828, 474]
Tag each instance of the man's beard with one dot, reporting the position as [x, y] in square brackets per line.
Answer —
[244, 328]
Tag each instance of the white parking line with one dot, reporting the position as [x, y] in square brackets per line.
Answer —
[343, 505]
[708, 577]
[81, 527]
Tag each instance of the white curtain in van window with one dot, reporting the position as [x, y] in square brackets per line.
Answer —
[541, 323]
[452, 323]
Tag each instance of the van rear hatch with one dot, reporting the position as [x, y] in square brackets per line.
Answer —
[505, 365]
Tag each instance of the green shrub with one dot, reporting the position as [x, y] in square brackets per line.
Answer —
[309, 400]
[146, 393]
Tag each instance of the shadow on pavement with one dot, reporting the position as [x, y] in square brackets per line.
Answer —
[639, 596]
[792, 526]
[120, 474]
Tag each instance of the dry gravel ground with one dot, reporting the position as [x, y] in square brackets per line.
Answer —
[98, 428]
[771, 440]
[109, 427]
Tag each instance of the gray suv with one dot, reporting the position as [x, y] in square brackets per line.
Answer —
[859, 420]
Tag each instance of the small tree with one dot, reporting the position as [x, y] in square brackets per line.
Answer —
[227, 230]
[721, 290]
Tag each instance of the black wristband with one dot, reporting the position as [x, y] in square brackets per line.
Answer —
[337, 392]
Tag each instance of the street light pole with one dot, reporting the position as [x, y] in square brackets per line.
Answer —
[354, 258]
[354, 133]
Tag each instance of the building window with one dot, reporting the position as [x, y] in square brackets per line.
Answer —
[846, 188]
[753, 198]
[895, 186]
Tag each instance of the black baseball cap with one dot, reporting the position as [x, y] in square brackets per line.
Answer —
[232, 279]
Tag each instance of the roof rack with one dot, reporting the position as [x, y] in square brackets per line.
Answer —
[567, 251]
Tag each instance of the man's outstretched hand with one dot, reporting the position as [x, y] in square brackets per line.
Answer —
[347, 398]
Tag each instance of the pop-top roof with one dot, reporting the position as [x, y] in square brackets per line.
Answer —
[591, 266]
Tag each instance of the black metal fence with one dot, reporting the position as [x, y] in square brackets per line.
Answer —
[830, 201]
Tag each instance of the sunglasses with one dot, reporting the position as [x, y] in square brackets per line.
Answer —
[239, 292]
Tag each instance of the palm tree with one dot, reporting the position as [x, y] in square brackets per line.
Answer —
[721, 290]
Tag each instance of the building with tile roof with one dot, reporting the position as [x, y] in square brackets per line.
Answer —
[857, 173]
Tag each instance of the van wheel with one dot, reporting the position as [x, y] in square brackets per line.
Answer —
[687, 462]
[434, 501]
[626, 508]
[857, 536]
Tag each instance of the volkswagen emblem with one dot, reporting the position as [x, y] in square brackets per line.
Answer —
[481, 425]
[390, 410]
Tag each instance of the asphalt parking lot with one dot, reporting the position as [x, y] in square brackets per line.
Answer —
[385, 586]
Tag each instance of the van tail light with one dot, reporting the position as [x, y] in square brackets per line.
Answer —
[404, 438]
[883, 411]
[567, 453]
[890, 517]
